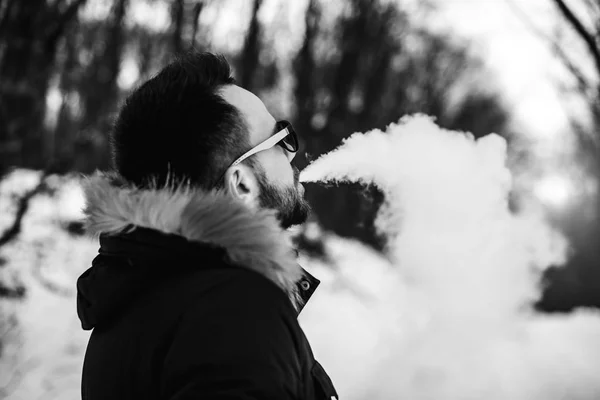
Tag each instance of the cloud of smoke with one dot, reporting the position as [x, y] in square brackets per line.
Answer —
[451, 316]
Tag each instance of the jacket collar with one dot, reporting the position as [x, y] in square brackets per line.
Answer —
[250, 238]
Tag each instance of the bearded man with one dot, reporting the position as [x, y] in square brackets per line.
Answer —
[195, 291]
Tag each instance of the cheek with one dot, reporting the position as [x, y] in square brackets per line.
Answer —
[278, 168]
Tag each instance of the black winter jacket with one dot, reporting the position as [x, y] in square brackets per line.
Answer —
[192, 296]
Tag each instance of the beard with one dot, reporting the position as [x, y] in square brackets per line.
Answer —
[292, 209]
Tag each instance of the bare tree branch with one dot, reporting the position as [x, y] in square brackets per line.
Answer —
[587, 37]
[23, 205]
[586, 138]
[583, 83]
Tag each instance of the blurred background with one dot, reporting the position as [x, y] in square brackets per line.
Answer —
[529, 71]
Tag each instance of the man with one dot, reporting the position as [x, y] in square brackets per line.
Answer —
[195, 292]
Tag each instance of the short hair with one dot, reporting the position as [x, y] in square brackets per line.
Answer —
[177, 128]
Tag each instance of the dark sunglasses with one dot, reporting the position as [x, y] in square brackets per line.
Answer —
[285, 136]
[289, 141]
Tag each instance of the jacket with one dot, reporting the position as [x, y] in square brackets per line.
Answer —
[192, 296]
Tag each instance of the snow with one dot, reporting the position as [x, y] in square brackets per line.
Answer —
[43, 353]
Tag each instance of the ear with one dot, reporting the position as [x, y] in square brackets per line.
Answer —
[241, 183]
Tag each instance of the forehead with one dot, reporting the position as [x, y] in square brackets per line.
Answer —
[258, 119]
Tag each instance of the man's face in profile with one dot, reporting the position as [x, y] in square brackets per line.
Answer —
[277, 180]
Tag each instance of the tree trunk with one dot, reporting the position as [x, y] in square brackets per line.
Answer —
[251, 50]
[102, 93]
[29, 35]
[177, 21]
[304, 90]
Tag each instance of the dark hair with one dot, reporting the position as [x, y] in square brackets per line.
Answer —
[177, 128]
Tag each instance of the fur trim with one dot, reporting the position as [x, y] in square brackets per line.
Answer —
[252, 238]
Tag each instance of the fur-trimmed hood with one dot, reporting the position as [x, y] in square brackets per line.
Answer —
[251, 238]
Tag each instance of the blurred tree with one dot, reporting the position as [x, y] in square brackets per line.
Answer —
[304, 69]
[375, 68]
[177, 13]
[578, 283]
[339, 93]
[69, 86]
[30, 32]
[184, 24]
[364, 71]
[99, 99]
[249, 59]
[101, 93]
[82, 60]
[588, 86]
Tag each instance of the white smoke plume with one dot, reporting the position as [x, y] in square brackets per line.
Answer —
[448, 315]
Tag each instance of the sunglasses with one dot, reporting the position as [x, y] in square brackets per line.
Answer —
[284, 136]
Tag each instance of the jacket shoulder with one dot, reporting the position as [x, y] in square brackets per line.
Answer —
[241, 332]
